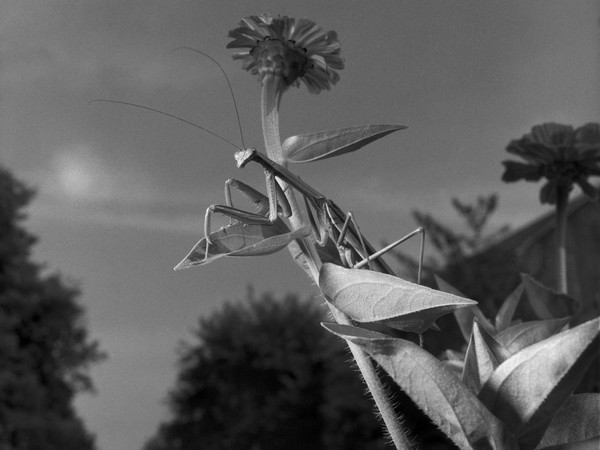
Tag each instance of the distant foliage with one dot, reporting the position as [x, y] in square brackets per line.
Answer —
[264, 374]
[44, 347]
[451, 245]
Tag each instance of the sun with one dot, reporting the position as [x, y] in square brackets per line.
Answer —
[77, 171]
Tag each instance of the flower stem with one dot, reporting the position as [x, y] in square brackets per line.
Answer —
[562, 201]
[270, 98]
[392, 422]
[271, 92]
[271, 95]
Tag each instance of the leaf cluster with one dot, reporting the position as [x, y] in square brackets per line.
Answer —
[513, 386]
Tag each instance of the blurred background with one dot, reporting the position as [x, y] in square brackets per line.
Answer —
[121, 192]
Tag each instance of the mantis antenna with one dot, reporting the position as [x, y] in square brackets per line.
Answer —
[120, 102]
[235, 106]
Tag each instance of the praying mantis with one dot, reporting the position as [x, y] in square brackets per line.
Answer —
[328, 220]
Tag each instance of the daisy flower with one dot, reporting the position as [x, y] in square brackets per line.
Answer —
[564, 157]
[560, 154]
[295, 50]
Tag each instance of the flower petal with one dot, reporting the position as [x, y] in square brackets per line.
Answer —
[592, 192]
[592, 169]
[590, 155]
[588, 136]
[515, 171]
[553, 134]
[532, 152]
[548, 193]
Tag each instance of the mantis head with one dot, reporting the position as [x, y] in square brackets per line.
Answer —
[242, 157]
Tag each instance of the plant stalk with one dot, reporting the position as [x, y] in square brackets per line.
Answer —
[272, 89]
[271, 92]
[562, 202]
[271, 96]
[392, 422]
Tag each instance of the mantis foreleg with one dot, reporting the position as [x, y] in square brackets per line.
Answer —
[259, 201]
[267, 208]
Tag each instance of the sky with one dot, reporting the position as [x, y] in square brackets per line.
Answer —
[122, 192]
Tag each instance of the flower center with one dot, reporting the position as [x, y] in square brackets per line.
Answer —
[563, 172]
[281, 58]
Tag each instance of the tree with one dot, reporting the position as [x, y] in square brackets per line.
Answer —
[264, 374]
[44, 347]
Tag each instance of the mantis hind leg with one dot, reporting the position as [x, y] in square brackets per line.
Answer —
[260, 202]
[419, 230]
[387, 248]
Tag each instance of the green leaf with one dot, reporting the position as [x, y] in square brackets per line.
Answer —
[525, 334]
[508, 308]
[546, 303]
[454, 361]
[577, 420]
[440, 394]
[454, 366]
[368, 296]
[452, 355]
[239, 239]
[465, 316]
[527, 389]
[326, 144]
[483, 355]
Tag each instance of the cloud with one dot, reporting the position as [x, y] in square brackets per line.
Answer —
[78, 185]
[171, 220]
[78, 173]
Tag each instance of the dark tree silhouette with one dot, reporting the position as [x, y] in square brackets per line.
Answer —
[264, 374]
[44, 348]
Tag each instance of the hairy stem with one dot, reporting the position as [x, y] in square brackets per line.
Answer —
[384, 404]
[272, 90]
[562, 201]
